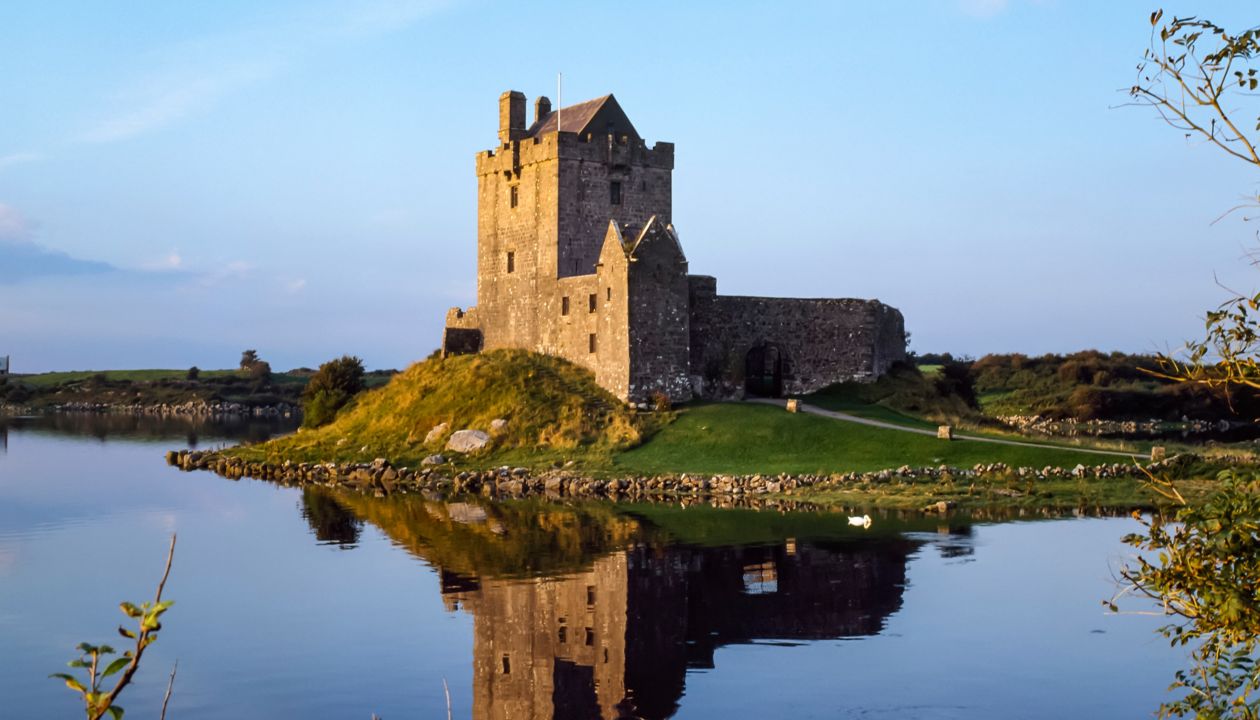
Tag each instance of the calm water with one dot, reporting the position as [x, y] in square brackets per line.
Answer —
[321, 605]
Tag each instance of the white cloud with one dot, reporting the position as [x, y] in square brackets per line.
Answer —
[14, 227]
[196, 75]
[171, 261]
[19, 158]
[295, 286]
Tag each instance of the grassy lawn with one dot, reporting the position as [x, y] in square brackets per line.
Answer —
[60, 378]
[740, 439]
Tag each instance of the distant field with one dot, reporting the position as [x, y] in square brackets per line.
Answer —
[930, 370]
[60, 378]
[736, 438]
[44, 380]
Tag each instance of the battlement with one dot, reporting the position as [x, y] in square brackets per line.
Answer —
[624, 151]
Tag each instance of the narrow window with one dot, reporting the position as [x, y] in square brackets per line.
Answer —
[592, 342]
[511, 261]
[513, 196]
[591, 302]
[564, 634]
[614, 193]
[608, 293]
[507, 665]
[564, 305]
[590, 595]
[590, 636]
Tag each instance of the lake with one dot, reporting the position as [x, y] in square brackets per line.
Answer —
[321, 604]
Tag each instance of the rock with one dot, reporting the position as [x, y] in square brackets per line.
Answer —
[498, 425]
[945, 432]
[793, 405]
[1158, 453]
[465, 441]
[436, 433]
[438, 459]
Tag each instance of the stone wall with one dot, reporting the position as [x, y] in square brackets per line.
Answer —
[819, 341]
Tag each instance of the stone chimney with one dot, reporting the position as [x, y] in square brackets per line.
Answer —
[511, 116]
[542, 107]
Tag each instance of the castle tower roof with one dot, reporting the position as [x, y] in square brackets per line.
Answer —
[600, 116]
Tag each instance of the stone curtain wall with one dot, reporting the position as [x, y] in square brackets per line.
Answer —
[821, 342]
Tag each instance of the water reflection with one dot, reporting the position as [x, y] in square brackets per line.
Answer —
[597, 611]
[193, 429]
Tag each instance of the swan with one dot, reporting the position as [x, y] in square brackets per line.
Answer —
[864, 521]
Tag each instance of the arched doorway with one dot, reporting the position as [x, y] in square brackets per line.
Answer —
[763, 371]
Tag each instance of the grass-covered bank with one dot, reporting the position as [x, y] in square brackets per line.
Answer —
[746, 438]
[549, 411]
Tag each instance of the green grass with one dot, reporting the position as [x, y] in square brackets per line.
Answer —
[742, 439]
[50, 379]
[553, 408]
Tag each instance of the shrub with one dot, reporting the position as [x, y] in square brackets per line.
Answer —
[330, 389]
[194, 372]
[660, 402]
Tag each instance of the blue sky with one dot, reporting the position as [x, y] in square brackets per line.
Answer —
[297, 177]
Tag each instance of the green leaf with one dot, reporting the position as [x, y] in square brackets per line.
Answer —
[115, 666]
[70, 681]
[130, 609]
[126, 633]
[115, 712]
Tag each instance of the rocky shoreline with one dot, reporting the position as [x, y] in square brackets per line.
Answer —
[197, 408]
[382, 478]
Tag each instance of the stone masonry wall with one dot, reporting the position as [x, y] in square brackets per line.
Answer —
[821, 341]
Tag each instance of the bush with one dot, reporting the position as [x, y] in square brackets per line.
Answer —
[194, 372]
[330, 389]
[660, 402]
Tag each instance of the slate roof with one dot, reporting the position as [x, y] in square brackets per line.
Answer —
[578, 118]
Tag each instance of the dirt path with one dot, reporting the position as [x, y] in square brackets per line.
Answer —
[846, 417]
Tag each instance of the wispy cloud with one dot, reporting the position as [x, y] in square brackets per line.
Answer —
[19, 158]
[983, 8]
[14, 227]
[197, 75]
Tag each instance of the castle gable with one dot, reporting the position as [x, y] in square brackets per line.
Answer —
[601, 116]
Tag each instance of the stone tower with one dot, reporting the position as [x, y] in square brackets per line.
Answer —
[577, 257]
[561, 206]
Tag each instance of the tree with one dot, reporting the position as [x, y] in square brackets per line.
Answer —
[1192, 74]
[1205, 566]
[330, 389]
[93, 660]
[194, 372]
[255, 367]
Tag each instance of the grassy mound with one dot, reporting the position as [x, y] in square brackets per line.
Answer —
[553, 409]
[904, 395]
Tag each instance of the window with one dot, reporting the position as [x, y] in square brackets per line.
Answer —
[608, 293]
[591, 342]
[564, 634]
[511, 261]
[590, 636]
[590, 595]
[507, 665]
[614, 193]
[513, 195]
[591, 302]
[564, 305]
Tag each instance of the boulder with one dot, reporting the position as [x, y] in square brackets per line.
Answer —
[434, 460]
[466, 441]
[498, 425]
[945, 432]
[436, 433]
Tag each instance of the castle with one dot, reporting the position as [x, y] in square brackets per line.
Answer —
[577, 257]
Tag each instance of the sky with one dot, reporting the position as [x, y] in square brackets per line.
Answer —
[181, 181]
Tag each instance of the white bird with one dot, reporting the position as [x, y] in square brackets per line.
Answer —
[863, 522]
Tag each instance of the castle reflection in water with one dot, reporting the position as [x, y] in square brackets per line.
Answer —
[616, 641]
[615, 637]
